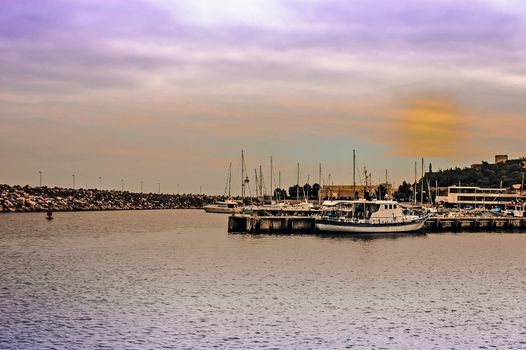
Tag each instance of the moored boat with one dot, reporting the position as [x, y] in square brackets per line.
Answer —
[373, 216]
[224, 207]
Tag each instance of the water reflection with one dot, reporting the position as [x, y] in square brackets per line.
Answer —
[369, 236]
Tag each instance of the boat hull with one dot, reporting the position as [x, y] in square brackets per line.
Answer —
[217, 210]
[349, 227]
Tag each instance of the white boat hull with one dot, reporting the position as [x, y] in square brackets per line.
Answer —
[219, 210]
[348, 227]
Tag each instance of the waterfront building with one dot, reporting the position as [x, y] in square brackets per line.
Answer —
[477, 197]
[348, 191]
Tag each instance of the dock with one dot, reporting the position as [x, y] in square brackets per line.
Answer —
[271, 224]
[279, 224]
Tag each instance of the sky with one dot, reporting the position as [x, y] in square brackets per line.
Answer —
[170, 92]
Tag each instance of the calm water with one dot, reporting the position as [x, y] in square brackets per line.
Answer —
[176, 279]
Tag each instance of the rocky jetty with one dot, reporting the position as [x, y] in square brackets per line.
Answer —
[29, 199]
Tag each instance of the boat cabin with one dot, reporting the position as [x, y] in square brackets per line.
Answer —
[361, 209]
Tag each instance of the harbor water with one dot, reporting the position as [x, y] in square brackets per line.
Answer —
[177, 279]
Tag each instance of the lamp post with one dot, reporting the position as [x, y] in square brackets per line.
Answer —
[40, 177]
[73, 176]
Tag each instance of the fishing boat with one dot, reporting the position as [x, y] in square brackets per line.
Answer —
[369, 216]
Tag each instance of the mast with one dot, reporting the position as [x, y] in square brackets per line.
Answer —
[256, 183]
[354, 171]
[422, 185]
[330, 186]
[366, 178]
[436, 193]
[242, 174]
[261, 181]
[229, 179]
[279, 185]
[522, 184]
[298, 183]
[271, 186]
[414, 188]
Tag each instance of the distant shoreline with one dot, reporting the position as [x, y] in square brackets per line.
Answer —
[23, 199]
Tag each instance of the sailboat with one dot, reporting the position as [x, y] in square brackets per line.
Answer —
[228, 206]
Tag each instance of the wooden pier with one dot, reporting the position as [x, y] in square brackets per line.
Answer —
[475, 224]
[306, 224]
[271, 224]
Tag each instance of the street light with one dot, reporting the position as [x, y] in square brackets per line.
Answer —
[40, 176]
[73, 176]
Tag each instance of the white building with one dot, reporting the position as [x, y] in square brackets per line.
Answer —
[464, 196]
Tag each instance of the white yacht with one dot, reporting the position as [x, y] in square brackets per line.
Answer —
[224, 207]
[373, 216]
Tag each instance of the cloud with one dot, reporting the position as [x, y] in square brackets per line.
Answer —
[430, 125]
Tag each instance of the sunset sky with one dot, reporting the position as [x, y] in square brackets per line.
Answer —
[172, 91]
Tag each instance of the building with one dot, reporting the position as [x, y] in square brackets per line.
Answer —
[501, 158]
[477, 197]
[348, 191]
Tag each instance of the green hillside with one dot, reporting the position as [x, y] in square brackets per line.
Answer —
[483, 175]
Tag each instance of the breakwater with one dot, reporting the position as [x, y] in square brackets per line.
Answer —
[30, 199]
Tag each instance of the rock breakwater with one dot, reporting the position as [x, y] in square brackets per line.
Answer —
[29, 199]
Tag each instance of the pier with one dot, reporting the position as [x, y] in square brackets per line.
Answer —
[271, 224]
[475, 224]
[306, 224]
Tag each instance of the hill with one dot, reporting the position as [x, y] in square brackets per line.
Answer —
[482, 175]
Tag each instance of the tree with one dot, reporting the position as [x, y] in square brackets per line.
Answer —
[404, 192]
[294, 191]
[280, 193]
